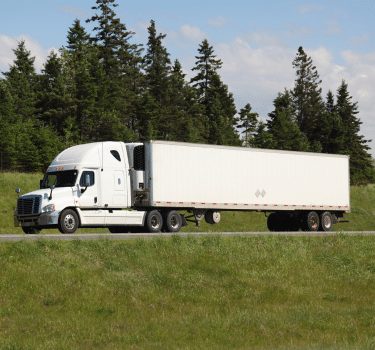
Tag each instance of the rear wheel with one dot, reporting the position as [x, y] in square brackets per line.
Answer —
[31, 230]
[312, 221]
[326, 221]
[68, 221]
[173, 221]
[154, 221]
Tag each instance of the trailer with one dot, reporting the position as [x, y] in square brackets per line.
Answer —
[142, 186]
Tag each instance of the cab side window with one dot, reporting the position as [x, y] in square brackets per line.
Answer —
[83, 176]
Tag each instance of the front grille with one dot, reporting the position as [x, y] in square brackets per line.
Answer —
[139, 158]
[28, 205]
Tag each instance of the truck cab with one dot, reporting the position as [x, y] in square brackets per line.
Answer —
[85, 185]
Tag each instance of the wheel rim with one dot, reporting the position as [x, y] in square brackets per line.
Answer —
[155, 222]
[327, 221]
[69, 221]
[174, 222]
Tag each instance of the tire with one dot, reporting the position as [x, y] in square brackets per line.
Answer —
[154, 222]
[34, 230]
[326, 221]
[68, 221]
[273, 222]
[312, 221]
[173, 221]
[212, 217]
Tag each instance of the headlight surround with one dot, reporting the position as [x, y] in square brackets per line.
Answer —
[48, 208]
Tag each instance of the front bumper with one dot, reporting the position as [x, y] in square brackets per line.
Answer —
[43, 219]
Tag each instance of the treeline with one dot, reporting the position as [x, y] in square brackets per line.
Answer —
[104, 87]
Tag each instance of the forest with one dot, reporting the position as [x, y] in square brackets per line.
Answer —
[104, 87]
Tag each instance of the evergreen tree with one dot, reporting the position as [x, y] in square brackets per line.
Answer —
[307, 99]
[281, 125]
[332, 130]
[361, 168]
[158, 69]
[187, 118]
[262, 137]
[218, 103]
[248, 122]
[82, 69]
[115, 96]
[21, 83]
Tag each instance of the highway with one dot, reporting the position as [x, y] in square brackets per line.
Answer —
[85, 236]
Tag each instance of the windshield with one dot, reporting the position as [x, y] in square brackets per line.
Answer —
[65, 178]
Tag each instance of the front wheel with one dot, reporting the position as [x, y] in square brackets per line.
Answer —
[68, 221]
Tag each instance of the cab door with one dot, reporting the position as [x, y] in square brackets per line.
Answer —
[87, 197]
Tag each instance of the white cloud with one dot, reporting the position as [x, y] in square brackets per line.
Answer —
[193, 33]
[7, 56]
[220, 21]
[333, 28]
[293, 31]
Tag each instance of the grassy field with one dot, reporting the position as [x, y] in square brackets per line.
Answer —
[362, 216]
[210, 292]
[187, 292]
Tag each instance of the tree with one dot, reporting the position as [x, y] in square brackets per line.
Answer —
[361, 168]
[248, 122]
[115, 53]
[218, 103]
[307, 99]
[332, 130]
[158, 67]
[262, 137]
[281, 125]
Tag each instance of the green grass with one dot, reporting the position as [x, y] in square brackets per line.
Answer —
[210, 292]
[362, 216]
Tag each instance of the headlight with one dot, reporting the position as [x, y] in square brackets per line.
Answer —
[48, 208]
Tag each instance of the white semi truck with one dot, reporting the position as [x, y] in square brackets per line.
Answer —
[139, 187]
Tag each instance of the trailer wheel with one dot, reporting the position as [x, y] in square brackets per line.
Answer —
[31, 230]
[326, 221]
[273, 222]
[173, 221]
[212, 217]
[312, 221]
[154, 221]
[68, 221]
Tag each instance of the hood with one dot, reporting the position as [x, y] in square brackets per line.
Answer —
[57, 192]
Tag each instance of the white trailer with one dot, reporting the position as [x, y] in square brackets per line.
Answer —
[130, 187]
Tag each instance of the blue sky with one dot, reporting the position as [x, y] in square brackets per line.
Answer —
[256, 40]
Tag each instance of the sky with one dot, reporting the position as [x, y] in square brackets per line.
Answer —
[257, 41]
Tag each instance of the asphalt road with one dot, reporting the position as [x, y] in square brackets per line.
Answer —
[84, 236]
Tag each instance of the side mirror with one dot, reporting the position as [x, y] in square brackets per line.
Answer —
[18, 190]
[40, 183]
[87, 180]
[51, 187]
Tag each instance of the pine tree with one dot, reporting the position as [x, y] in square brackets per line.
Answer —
[361, 168]
[307, 99]
[218, 103]
[115, 96]
[332, 130]
[248, 122]
[281, 125]
[21, 83]
[262, 137]
[82, 69]
[186, 113]
[158, 70]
